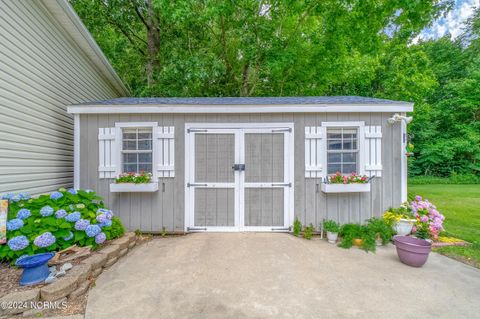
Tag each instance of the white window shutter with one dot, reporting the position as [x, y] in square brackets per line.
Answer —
[166, 151]
[373, 151]
[315, 152]
[106, 153]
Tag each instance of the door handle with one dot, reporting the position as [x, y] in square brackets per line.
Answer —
[238, 167]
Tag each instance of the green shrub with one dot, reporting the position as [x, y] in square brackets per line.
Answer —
[56, 221]
[381, 229]
[308, 232]
[453, 179]
[349, 232]
[331, 226]
[297, 227]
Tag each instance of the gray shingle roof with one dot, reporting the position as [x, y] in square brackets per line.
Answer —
[336, 100]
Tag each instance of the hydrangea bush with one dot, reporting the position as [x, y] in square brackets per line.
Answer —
[57, 221]
[429, 220]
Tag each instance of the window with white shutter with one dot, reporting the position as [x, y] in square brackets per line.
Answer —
[106, 153]
[314, 151]
[373, 151]
[166, 151]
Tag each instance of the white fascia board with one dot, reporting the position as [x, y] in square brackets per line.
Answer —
[251, 108]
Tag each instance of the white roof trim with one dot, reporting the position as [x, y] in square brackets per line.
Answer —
[67, 18]
[254, 108]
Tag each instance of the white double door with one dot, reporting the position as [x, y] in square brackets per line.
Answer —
[239, 177]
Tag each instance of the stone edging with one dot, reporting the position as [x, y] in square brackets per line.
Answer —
[74, 284]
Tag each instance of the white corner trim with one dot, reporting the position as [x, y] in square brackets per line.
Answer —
[251, 108]
[404, 164]
[76, 151]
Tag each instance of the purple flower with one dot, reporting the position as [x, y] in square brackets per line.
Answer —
[14, 224]
[23, 213]
[418, 198]
[56, 195]
[93, 230]
[101, 218]
[60, 213]
[46, 211]
[18, 243]
[73, 217]
[106, 223]
[424, 219]
[72, 191]
[70, 236]
[82, 224]
[100, 238]
[44, 240]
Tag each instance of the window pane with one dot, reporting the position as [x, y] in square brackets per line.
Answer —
[145, 168]
[333, 168]
[349, 168]
[145, 145]
[129, 134]
[145, 158]
[129, 145]
[334, 133]
[129, 158]
[347, 145]
[349, 157]
[335, 145]
[129, 168]
[144, 134]
[334, 157]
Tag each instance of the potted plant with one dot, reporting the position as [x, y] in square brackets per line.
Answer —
[400, 219]
[332, 228]
[357, 235]
[414, 251]
[132, 182]
[352, 183]
[383, 232]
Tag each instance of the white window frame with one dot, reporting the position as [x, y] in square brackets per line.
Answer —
[360, 126]
[119, 144]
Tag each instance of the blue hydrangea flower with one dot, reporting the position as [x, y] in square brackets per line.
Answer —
[73, 217]
[56, 195]
[23, 213]
[93, 230]
[70, 207]
[102, 211]
[100, 238]
[72, 191]
[7, 196]
[60, 213]
[16, 198]
[106, 223]
[82, 224]
[69, 237]
[18, 243]
[101, 218]
[46, 211]
[14, 224]
[44, 240]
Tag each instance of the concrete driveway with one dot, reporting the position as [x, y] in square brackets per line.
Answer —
[259, 275]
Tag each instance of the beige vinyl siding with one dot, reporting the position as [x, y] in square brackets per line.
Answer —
[42, 70]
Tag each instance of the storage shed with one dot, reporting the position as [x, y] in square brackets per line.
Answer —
[241, 163]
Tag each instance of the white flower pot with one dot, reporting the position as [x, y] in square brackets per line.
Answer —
[133, 188]
[332, 237]
[404, 226]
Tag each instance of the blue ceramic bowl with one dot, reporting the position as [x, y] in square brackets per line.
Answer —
[35, 268]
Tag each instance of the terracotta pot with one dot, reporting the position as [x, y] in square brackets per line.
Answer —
[358, 242]
[412, 251]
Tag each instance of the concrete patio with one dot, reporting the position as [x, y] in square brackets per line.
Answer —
[265, 275]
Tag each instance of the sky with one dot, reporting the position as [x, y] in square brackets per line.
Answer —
[453, 22]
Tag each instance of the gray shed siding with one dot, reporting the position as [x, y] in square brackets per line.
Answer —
[42, 70]
[153, 211]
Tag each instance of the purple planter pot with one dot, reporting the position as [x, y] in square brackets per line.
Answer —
[412, 251]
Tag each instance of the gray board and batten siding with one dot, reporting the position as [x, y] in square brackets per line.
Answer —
[47, 62]
[151, 212]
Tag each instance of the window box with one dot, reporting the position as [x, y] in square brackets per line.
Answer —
[133, 188]
[346, 188]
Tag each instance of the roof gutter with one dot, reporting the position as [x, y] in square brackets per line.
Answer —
[250, 108]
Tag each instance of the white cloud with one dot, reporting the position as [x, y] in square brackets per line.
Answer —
[453, 22]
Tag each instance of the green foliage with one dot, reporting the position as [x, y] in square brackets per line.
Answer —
[453, 179]
[331, 226]
[297, 227]
[349, 232]
[308, 232]
[86, 203]
[381, 229]
[141, 178]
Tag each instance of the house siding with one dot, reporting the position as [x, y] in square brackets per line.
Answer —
[42, 70]
[165, 208]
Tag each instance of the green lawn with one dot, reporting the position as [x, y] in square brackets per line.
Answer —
[461, 206]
